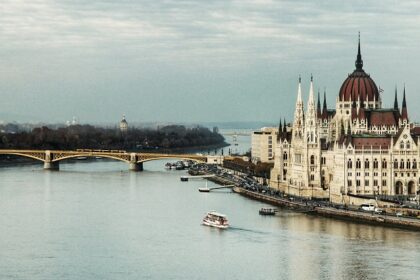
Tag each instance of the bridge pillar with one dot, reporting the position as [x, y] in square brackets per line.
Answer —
[136, 166]
[48, 163]
[51, 165]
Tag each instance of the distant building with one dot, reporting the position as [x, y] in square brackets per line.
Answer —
[357, 149]
[123, 125]
[262, 141]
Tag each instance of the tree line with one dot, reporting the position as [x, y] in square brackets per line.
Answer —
[91, 137]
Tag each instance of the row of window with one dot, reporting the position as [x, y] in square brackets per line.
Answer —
[401, 164]
[375, 174]
[367, 183]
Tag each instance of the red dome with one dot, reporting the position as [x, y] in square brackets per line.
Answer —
[359, 85]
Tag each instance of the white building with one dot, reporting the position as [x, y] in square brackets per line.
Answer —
[358, 148]
[262, 144]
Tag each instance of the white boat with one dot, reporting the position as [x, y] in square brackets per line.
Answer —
[214, 219]
[205, 189]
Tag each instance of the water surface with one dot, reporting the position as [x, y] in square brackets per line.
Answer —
[96, 220]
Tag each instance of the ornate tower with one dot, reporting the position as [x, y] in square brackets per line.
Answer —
[298, 124]
[311, 135]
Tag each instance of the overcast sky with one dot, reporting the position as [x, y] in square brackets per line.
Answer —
[196, 60]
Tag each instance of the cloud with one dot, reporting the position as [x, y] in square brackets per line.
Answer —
[46, 40]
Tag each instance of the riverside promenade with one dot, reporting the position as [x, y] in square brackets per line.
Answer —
[242, 187]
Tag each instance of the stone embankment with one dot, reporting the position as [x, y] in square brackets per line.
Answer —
[354, 216]
[311, 208]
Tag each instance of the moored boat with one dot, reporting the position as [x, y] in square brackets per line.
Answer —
[214, 219]
[267, 211]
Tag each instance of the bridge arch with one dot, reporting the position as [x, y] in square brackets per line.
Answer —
[127, 160]
[35, 156]
[201, 160]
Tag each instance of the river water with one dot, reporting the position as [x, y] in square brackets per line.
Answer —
[97, 220]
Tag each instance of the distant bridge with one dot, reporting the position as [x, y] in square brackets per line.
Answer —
[51, 158]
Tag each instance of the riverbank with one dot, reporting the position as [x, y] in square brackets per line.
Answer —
[314, 207]
[342, 214]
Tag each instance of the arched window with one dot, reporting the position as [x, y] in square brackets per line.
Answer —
[401, 145]
[358, 164]
[284, 156]
[414, 164]
[366, 164]
[407, 145]
[395, 164]
[408, 164]
[402, 164]
[312, 159]
[349, 164]
[375, 163]
[384, 165]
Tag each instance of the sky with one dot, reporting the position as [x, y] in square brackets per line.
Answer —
[196, 61]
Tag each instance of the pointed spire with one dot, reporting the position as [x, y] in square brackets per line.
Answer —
[280, 132]
[404, 113]
[318, 107]
[359, 61]
[396, 100]
[284, 127]
[299, 97]
[324, 106]
[311, 92]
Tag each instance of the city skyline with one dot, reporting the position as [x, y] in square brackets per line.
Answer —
[192, 61]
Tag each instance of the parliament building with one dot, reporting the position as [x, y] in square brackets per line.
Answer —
[358, 148]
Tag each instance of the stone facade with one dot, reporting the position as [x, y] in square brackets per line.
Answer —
[263, 144]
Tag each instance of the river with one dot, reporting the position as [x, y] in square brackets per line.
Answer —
[97, 220]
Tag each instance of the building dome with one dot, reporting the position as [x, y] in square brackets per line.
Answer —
[123, 125]
[359, 84]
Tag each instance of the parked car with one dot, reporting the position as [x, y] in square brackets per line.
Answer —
[367, 207]
[378, 210]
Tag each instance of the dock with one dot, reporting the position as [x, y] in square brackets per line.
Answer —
[188, 177]
[215, 188]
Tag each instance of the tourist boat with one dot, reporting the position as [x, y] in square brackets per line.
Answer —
[267, 211]
[214, 219]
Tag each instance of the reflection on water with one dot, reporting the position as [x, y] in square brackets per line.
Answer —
[96, 220]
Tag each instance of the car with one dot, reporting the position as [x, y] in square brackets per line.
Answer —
[378, 210]
[398, 214]
[367, 207]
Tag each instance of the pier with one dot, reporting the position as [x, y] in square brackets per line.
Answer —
[188, 177]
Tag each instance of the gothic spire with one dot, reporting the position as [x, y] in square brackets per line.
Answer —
[318, 107]
[324, 106]
[396, 100]
[359, 61]
[280, 132]
[284, 127]
[404, 113]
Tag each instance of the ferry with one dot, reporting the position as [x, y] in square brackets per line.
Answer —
[268, 211]
[214, 219]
